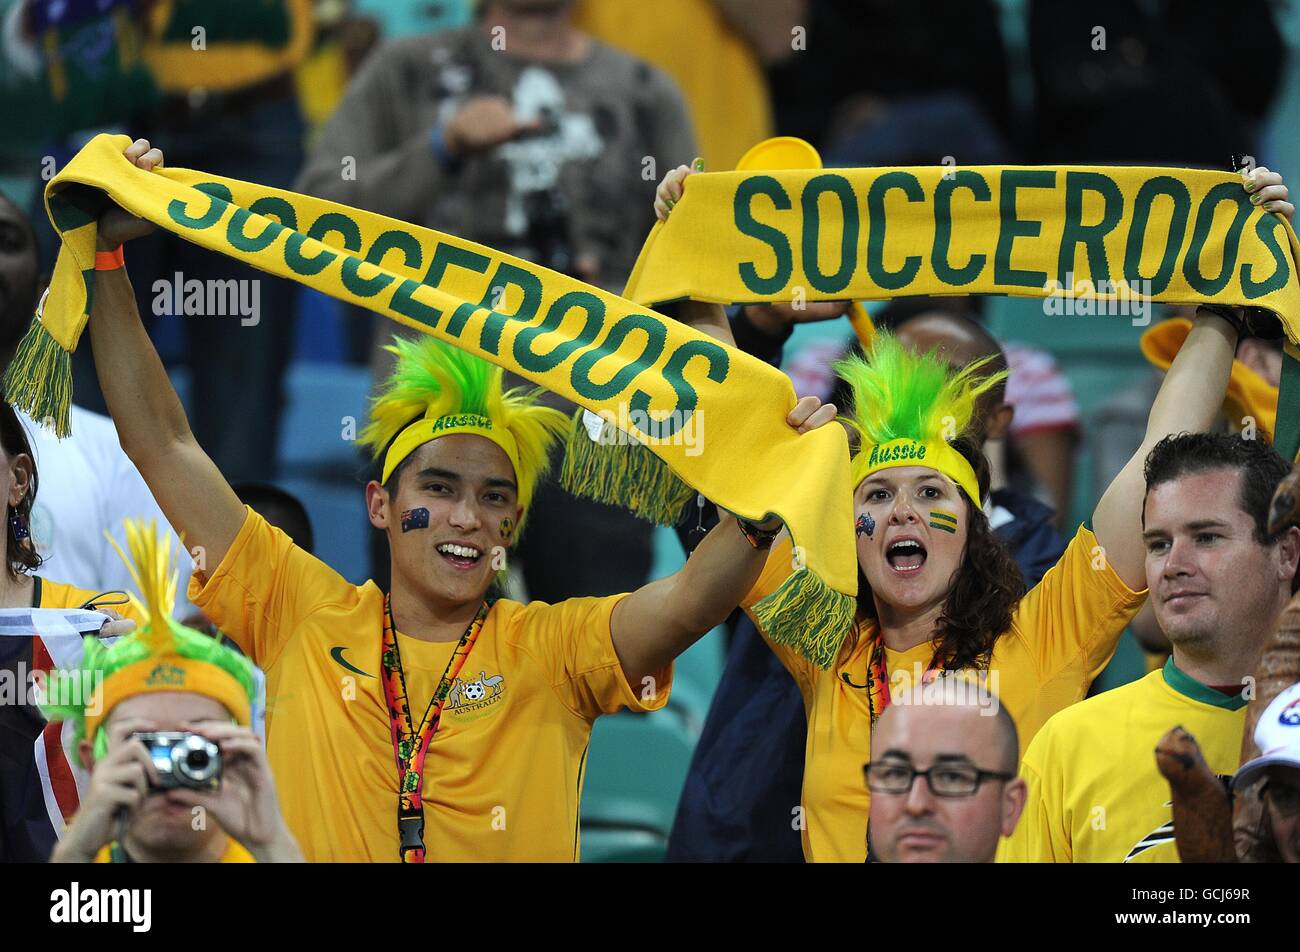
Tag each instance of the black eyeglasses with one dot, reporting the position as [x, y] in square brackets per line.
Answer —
[945, 780]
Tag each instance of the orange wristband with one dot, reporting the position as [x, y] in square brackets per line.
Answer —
[110, 260]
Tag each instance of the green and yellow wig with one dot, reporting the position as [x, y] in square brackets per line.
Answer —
[908, 406]
[436, 390]
[163, 655]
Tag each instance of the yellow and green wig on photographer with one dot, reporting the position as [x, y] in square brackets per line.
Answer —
[940, 594]
[166, 678]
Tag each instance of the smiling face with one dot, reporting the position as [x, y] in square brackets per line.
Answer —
[1210, 579]
[918, 539]
[453, 502]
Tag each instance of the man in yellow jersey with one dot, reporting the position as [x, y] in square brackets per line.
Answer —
[163, 719]
[432, 721]
[1219, 583]
[943, 775]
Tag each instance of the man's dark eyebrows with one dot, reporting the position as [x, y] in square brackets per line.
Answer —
[434, 472]
[1195, 526]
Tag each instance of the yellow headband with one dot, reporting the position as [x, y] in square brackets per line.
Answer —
[935, 454]
[169, 672]
[431, 428]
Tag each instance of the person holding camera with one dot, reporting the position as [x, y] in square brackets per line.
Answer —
[135, 813]
[163, 719]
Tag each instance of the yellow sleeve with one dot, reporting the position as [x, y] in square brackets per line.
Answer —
[573, 642]
[263, 589]
[61, 595]
[1080, 608]
[778, 568]
[1043, 833]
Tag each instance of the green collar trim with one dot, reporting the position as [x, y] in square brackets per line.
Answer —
[1188, 686]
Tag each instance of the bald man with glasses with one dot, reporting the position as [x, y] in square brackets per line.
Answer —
[943, 781]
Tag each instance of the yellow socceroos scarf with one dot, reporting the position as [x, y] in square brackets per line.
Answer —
[1128, 236]
[601, 351]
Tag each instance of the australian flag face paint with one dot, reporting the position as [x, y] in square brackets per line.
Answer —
[415, 519]
[865, 525]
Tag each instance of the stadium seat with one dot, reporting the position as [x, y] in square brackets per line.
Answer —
[618, 845]
[636, 766]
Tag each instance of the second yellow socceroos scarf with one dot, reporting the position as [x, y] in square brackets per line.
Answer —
[1128, 236]
[605, 353]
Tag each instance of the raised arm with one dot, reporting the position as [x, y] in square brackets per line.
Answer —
[151, 423]
[1189, 400]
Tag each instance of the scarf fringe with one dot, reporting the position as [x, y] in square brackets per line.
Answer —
[39, 380]
[626, 475]
[807, 615]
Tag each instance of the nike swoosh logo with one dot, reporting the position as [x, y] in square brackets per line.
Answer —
[337, 654]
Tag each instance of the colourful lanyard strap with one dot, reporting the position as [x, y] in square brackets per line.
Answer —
[410, 745]
[878, 678]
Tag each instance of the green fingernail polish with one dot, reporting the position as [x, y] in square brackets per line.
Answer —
[1254, 199]
[699, 165]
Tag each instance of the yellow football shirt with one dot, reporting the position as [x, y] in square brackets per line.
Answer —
[1095, 794]
[1062, 634]
[503, 775]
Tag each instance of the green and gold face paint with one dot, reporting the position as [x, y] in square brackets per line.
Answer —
[943, 520]
[507, 528]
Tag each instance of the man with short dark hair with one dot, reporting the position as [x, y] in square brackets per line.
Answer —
[943, 777]
[1219, 583]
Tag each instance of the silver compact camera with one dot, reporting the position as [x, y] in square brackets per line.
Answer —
[182, 759]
